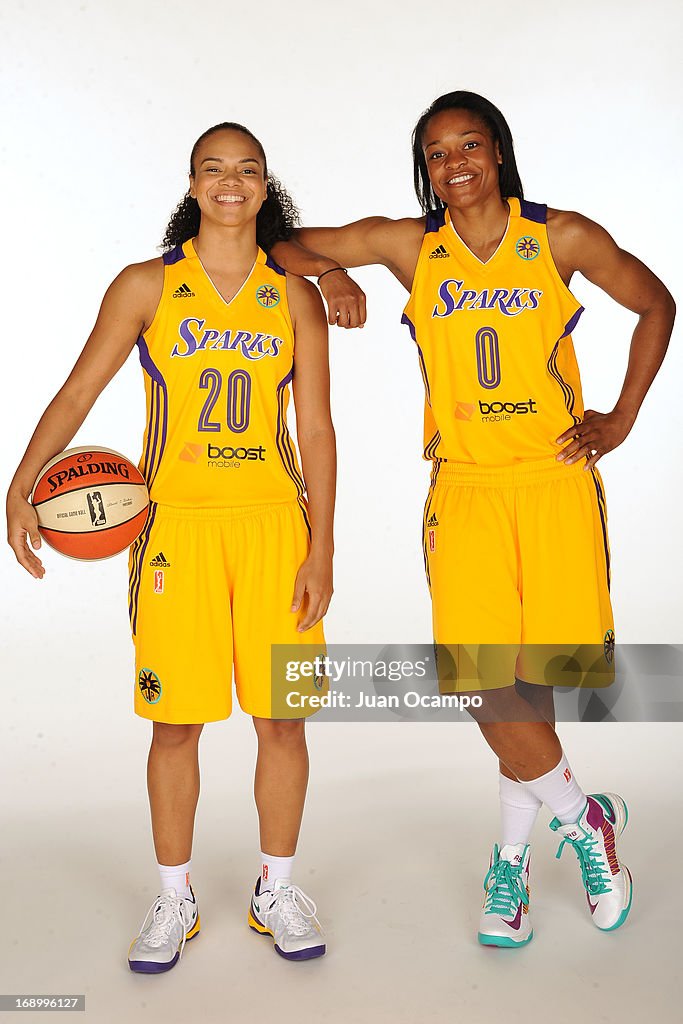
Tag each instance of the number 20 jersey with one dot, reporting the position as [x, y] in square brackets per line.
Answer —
[494, 343]
[217, 378]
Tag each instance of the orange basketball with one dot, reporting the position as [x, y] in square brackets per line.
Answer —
[90, 502]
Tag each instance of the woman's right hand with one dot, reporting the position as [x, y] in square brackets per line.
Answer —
[345, 299]
[22, 525]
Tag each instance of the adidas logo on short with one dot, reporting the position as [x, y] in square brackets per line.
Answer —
[184, 292]
[439, 253]
[159, 561]
[432, 521]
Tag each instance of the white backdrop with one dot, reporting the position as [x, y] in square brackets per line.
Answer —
[103, 101]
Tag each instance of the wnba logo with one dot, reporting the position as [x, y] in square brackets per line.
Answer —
[96, 508]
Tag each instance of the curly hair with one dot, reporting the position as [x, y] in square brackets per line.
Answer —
[508, 175]
[275, 221]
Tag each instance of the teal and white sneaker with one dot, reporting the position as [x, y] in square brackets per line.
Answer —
[505, 917]
[170, 922]
[608, 883]
[288, 916]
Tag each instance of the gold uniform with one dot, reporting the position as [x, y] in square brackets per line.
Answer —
[515, 542]
[212, 574]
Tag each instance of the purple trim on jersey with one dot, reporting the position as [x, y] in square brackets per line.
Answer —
[435, 220]
[148, 363]
[567, 391]
[283, 443]
[173, 256]
[536, 212]
[286, 380]
[572, 323]
[270, 262]
[157, 427]
[423, 369]
[410, 325]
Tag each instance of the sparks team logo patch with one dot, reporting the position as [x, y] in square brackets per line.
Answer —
[150, 686]
[267, 295]
[527, 248]
[608, 645]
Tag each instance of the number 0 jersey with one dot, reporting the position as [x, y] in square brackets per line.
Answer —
[494, 343]
[217, 378]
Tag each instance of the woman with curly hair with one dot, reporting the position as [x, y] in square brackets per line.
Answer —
[236, 554]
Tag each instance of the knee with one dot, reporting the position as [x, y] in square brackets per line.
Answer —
[282, 733]
[171, 737]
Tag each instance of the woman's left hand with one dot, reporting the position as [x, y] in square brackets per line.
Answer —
[596, 434]
[313, 589]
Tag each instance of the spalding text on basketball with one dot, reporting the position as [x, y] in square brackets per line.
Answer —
[76, 472]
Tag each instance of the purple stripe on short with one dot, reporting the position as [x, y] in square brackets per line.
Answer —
[602, 509]
[434, 220]
[536, 212]
[141, 555]
[270, 262]
[173, 256]
[572, 323]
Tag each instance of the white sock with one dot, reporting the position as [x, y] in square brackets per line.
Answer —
[176, 877]
[560, 792]
[519, 809]
[273, 868]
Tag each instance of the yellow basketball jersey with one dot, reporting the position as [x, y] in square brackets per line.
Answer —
[217, 378]
[494, 343]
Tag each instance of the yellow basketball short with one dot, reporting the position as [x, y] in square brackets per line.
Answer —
[518, 557]
[211, 589]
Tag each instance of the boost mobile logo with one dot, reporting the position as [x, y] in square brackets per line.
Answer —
[495, 412]
[217, 456]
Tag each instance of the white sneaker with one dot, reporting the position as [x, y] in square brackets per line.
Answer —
[288, 916]
[608, 883]
[505, 917]
[170, 922]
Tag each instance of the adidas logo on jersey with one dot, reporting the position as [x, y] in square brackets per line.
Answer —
[439, 253]
[159, 561]
[184, 292]
[433, 521]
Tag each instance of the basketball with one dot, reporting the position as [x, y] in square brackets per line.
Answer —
[90, 502]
